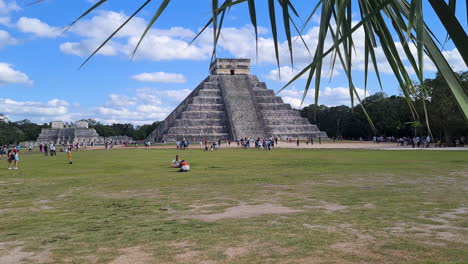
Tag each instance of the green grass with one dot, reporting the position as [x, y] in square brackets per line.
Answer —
[391, 206]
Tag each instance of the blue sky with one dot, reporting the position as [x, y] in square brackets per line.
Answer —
[40, 80]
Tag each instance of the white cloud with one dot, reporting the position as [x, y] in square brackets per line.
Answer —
[118, 100]
[6, 39]
[327, 96]
[145, 107]
[162, 77]
[7, 7]
[52, 108]
[10, 76]
[287, 73]
[37, 27]
[86, 47]
[159, 44]
[6, 21]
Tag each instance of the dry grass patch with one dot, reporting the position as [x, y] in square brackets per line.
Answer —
[133, 255]
[245, 211]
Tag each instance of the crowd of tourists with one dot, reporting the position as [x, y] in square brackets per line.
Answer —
[182, 145]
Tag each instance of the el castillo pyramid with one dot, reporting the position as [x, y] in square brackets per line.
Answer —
[231, 104]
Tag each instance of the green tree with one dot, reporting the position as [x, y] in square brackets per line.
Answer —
[10, 134]
[446, 117]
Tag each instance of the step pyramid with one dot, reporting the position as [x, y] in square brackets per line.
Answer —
[231, 104]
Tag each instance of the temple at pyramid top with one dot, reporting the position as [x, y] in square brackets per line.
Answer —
[231, 104]
[230, 66]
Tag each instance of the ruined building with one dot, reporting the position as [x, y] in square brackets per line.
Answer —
[232, 104]
[59, 133]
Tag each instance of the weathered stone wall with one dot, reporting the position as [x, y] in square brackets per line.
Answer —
[230, 67]
[57, 124]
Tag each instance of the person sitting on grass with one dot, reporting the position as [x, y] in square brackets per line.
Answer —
[176, 163]
[184, 166]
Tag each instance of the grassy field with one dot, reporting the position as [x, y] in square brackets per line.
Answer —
[236, 206]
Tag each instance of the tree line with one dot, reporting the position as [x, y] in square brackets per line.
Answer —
[391, 116]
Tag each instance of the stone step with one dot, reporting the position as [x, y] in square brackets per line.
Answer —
[268, 99]
[194, 139]
[291, 128]
[198, 130]
[280, 113]
[286, 121]
[274, 106]
[205, 107]
[265, 92]
[209, 93]
[211, 85]
[202, 115]
[200, 122]
[206, 100]
[314, 135]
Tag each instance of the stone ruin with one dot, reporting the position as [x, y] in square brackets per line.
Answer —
[60, 133]
[231, 104]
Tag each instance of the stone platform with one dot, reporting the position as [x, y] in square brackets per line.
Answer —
[232, 104]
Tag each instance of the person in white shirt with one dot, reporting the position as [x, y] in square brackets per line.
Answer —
[52, 150]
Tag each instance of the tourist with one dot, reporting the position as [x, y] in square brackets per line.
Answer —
[52, 150]
[46, 151]
[13, 157]
[3, 152]
[176, 163]
[10, 158]
[16, 158]
[69, 154]
[428, 141]
[184, 166]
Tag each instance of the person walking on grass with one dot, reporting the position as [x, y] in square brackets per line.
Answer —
[9, 158]
[52, 150]
[46, 151]
[16, 158]
[69, 155]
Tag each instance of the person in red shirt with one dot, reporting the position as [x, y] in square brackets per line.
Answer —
[184, 166]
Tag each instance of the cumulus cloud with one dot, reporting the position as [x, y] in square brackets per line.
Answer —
[37, 27]
[287, 73]
[144, 107]
[50, 109]
[159, 44]
[328, 96]
[162, 77]
[7, 7]
[6, 39]
[86, 47]
[10, 76]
